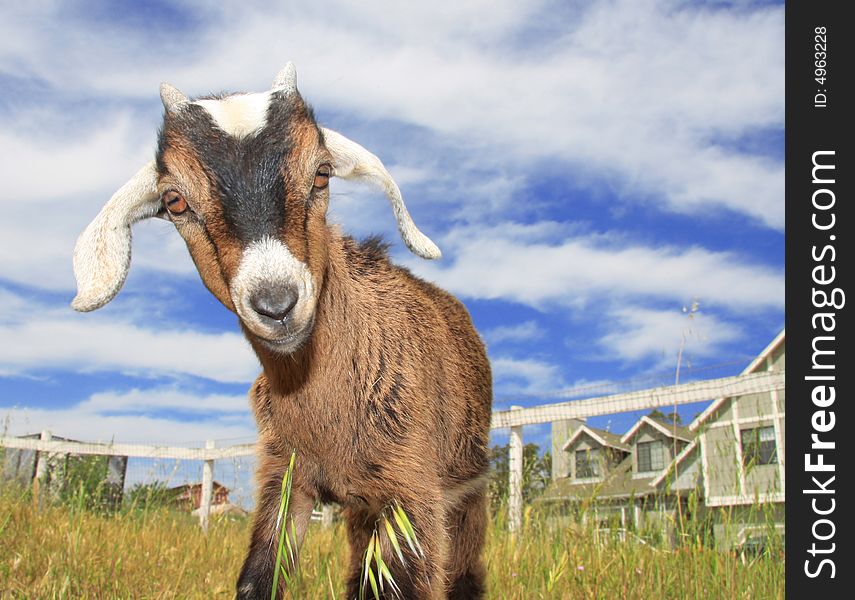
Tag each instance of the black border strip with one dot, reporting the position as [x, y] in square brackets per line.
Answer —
[816, 121]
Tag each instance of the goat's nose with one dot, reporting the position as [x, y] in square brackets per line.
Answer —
[274, 302]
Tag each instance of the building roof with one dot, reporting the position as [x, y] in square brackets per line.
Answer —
[669, 429]
[755, 366]
[618, 483]
[655, 481]
[216, 485]
[601, 436]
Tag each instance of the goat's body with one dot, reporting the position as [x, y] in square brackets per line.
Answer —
[389, 400]
[377, 379]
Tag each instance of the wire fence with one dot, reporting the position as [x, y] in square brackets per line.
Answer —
[653, 471]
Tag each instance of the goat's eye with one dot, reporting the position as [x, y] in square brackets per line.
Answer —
[322, 176]
[174, 202]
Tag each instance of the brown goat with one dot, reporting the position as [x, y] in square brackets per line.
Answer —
[376, 378]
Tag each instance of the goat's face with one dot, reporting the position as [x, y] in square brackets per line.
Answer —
[244, 178]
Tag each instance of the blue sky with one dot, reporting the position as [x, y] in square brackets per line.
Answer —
[588, 169]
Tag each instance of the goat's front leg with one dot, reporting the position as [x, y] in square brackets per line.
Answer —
[256, 576]
[423, 575]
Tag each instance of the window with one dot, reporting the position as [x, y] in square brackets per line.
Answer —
[587, 463]
[758, 446]
[651, 456]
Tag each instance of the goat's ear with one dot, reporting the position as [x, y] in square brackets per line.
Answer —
[102, 255]
[352, 161]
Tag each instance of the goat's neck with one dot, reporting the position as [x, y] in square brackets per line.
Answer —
[342, 324]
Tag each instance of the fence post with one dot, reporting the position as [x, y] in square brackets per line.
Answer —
[41, 469]
[207, 488]
[327, 516]
[515, 477]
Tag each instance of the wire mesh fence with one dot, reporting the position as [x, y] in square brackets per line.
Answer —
[649, 475]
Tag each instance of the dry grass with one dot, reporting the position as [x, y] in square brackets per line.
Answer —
[58, 552]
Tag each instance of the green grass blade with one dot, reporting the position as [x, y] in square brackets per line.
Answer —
[403, 529]
[5, 523]
[378, 558]
[373, 581]
[393, 538]
[366, 566]
[408, 530]
[285, 497]
[385, 573]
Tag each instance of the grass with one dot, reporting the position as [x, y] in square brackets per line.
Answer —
[73, 552]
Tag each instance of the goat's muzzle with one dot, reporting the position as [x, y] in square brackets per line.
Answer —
[274, 295]
[274, 302]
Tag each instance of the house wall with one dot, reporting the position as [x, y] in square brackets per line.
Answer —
[722, 472]
[561, 432]
[646, 433]
[583, 443]
[735, 525]
[689, 474]
[728, 480]
[733, 503]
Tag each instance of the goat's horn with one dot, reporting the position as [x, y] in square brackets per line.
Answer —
[102, 255]
[286, 79]
[172, 98]
[352, 161]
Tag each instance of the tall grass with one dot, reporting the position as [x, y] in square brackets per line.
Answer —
[57, 552]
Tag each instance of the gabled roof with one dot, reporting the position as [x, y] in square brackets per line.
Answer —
[677, 460]
[216, 485]
[672, 431]
[756, 366]
[619, 483]
[602, 437]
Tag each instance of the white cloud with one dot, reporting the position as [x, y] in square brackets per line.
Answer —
[41, 164]
[636, 333]
[93, 427]
[159, 399]
[517, 263]
[639, 98]
[524, 376]
[55, 184]
[43, 338]
[521, 332]
[634, 91]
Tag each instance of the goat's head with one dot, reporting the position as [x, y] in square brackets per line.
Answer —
[244, 178]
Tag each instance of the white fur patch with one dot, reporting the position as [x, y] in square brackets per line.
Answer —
[265, 262]
[239, 115]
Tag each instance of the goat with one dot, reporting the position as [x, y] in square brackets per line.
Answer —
[377, 379]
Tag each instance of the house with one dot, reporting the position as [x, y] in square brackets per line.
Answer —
[737, 460]
[726, 469]
[190, 494]
[609, 476]
[99, 478]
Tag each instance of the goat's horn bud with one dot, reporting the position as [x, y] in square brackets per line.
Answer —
[286, 79]
[173, 100]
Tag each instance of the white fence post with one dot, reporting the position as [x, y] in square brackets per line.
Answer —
[515, 477]
[41, 469]
[207, 488]
[327, 515]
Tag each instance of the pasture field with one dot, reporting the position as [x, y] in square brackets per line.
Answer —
[70, 552]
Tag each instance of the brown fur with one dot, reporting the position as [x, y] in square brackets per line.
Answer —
[388, 400]
[326, 401]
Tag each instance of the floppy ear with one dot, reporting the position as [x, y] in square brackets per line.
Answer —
[102, 255]
[352, 161]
